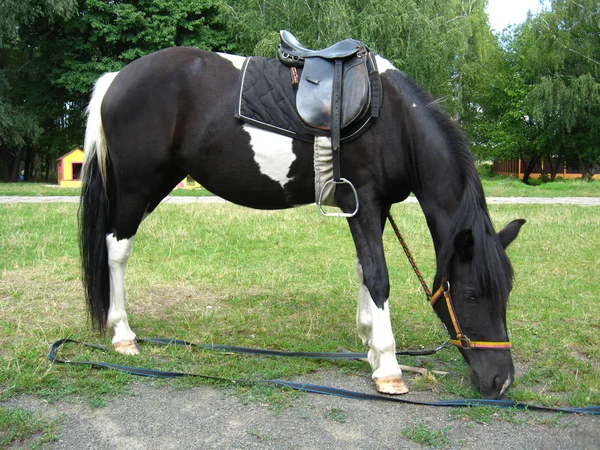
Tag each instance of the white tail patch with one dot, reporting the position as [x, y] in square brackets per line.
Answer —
[95, 142]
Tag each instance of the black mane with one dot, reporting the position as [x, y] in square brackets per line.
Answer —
[491, 268]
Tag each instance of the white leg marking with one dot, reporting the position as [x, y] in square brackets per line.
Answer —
[375, 329]
[118, 254]
[273, 153]
[236, 60]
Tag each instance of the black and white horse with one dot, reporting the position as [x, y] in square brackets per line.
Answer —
[169, 114]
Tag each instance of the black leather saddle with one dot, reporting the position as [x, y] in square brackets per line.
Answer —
[334, 89]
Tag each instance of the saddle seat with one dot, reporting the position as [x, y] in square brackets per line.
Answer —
[293, 51]
[334, 88]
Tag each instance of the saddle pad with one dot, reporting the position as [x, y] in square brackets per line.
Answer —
[267, 99]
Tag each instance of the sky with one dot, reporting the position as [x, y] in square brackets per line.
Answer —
[509, 12]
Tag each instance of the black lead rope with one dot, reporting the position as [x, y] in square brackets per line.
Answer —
[303, 387]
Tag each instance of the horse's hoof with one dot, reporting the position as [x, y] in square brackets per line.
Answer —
[391, 385]
[127, 347]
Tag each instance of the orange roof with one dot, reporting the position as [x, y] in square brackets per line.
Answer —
[67, 154]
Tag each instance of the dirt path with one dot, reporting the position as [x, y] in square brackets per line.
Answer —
[162, 417]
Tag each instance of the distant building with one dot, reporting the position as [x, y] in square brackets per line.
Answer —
[68, 168]
[517, 167]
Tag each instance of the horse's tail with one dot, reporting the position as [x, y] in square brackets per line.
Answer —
[94, 211]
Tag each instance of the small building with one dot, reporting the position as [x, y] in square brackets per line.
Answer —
[517, 167]
[68, 168]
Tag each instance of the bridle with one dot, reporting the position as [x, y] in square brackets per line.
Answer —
[460, 340]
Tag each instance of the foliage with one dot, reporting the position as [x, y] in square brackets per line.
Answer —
[548, 104]
[440, 44]
[56, 51]
[531, 92]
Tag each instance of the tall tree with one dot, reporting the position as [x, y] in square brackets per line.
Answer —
[436, 42]
[20, 122]
[56, 58]
[548, 102]
[565, 100]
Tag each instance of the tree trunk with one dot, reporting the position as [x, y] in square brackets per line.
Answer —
[529, 166]
[586, 170]
[4, 156]
[28, 163]
[16, 169]
[554, 168]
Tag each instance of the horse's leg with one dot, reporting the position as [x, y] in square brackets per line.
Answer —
[373, 314]
[118, 253]
[129, 212]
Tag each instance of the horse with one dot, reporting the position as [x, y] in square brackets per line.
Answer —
[170, 113]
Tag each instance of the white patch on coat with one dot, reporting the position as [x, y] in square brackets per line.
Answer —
[236, 60]
[383, 65]
[272, 152]
[118, 254]
[375, 329]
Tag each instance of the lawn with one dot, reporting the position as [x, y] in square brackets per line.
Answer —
[494, 186]
[220, 273]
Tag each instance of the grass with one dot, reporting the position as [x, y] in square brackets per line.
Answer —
[18, 425]
[425, 435]
[495, 186]
[49, 189]
[499, 186]
[285, 280]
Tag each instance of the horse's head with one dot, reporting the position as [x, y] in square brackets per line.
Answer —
[473, 308]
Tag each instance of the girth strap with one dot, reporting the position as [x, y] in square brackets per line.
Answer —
[336, 117]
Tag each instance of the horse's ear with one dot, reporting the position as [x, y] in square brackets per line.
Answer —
[463, 244]
[509, 232]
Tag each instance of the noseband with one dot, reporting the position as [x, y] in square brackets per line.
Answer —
[461, 340]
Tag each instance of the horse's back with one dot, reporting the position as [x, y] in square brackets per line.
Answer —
[173, 111]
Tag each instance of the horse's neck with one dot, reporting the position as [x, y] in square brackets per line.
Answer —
[440, 190]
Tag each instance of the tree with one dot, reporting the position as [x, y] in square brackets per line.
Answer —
[437, 43]
[55, 55]
[20, 123]
[566, 99]
[551, 90]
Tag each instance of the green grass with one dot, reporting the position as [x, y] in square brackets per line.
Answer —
[499, 186]
[425, 435]
[24, 427]
[495, 186]
[220, 273]
[48, 189]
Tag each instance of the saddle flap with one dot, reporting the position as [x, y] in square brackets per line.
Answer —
[313, 100]
[315, 90]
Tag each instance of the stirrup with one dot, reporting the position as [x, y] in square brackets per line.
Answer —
[338, 214]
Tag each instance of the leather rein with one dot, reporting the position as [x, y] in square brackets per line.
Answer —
[460, 339]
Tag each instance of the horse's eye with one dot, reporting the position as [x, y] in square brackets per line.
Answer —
[470, 297]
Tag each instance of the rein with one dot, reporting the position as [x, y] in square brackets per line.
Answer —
[461, 340]
[302, 387]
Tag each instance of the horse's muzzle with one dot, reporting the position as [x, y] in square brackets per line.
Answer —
[492, 371]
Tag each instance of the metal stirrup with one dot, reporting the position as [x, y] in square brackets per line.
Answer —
[338, 214]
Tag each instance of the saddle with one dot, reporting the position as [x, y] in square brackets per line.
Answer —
[334, 89]
[338, 86]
